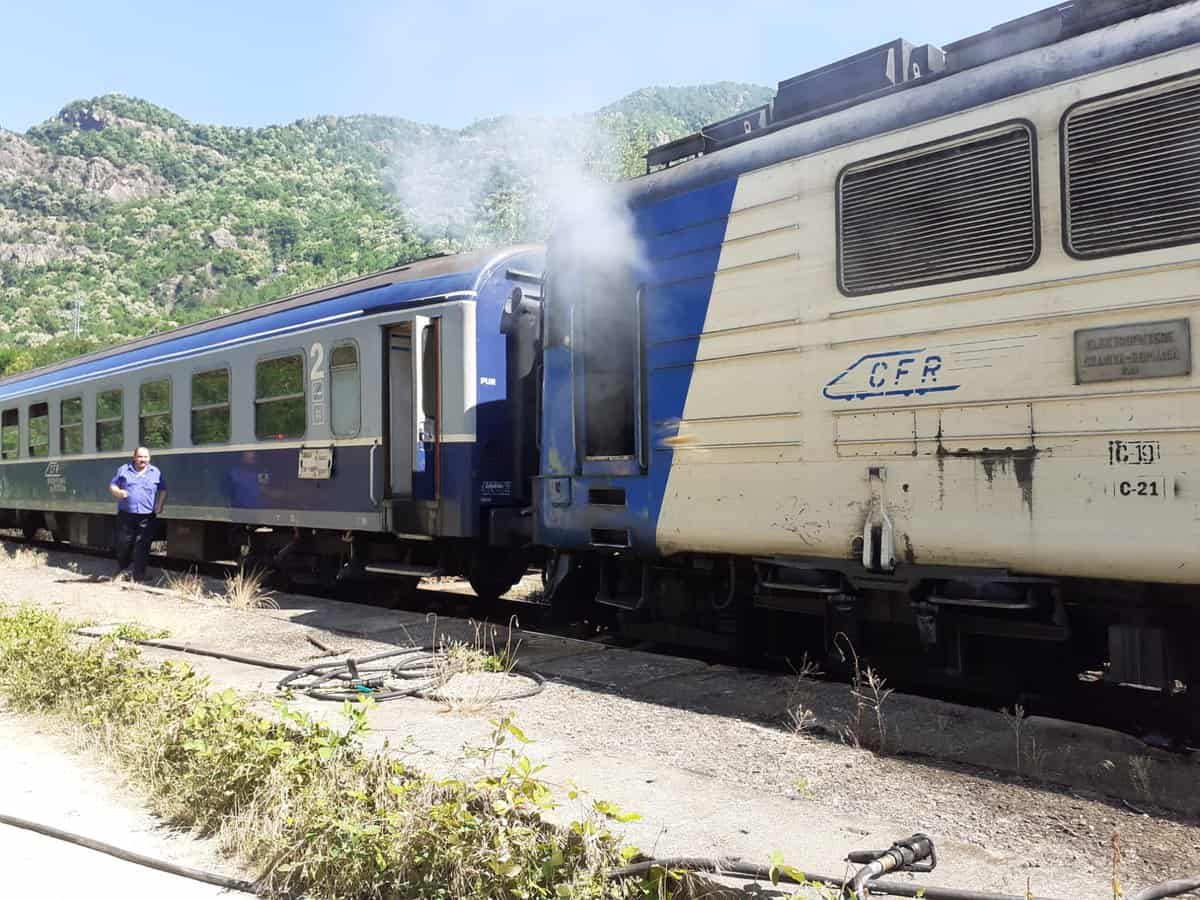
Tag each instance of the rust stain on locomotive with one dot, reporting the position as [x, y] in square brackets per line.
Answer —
[994, 462]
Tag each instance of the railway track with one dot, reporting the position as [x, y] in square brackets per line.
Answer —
[1089, 700]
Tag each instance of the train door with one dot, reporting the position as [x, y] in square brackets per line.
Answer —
[414, 391]
[400, 391]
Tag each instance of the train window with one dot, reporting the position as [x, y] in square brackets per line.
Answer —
[110, 420]
[1131, 170]
[10, 434]
[429, 372]
[279, 398]
[608, 332]
[960, 208]
[70, 426]
[210, 407]
[154, 413]
[39, 429]
[345, 397]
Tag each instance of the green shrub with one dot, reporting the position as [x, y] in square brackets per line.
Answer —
[301, 800]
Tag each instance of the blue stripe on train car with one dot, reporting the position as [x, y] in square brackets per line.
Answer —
[681, 238]
[223, 481]
[676, 305]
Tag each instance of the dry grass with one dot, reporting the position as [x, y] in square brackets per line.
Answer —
[800, 718]
[303, 802]
[24, 558]
[1016, 722]
[189, 585]
[244, 590]
[869, 691]
[470, 675]
[1139, 775]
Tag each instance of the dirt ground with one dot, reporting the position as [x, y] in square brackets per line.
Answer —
[43, 778]
[996, 830]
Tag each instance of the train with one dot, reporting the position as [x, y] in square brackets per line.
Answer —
[900, 360]
[379, 426]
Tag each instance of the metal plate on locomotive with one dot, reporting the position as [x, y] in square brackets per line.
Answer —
[1140, 350]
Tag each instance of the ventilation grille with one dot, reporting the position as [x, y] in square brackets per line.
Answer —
[1133, 172]
[606, 496]
[610, 537]
[949, 212]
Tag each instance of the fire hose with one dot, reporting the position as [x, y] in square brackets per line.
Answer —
[905, 855]
[908, 855]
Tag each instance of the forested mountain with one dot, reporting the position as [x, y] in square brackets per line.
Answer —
[151, 221]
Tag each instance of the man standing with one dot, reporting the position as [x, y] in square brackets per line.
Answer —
[141, 493]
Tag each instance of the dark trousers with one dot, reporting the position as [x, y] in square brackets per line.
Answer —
[135, 531]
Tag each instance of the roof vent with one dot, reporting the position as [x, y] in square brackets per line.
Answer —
[711, 137]
[1044, 27]
[864, 73]
[851, 80]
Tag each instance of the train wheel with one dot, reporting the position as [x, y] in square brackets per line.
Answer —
[494, 573]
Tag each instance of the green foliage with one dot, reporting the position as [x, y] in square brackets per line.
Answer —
[301, 799]
[196, 220]
[131, 631]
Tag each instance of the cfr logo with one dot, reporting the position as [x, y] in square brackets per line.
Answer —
[898, 373]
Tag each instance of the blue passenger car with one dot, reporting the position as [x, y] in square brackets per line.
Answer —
[384, 422]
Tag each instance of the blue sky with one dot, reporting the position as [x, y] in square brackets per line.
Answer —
[257, 62]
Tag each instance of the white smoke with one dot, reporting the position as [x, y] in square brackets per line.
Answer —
[514, 180]
[511, 180]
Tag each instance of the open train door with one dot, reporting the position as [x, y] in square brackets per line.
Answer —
[414, 392]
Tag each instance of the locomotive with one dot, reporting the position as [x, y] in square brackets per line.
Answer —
[904, 362]
[901, 360]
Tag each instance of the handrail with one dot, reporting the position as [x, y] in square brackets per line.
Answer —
[371, 474]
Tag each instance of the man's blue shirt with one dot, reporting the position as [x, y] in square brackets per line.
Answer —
[142, 486]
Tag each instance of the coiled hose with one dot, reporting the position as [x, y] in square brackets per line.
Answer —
[415, 673]
[739, 868]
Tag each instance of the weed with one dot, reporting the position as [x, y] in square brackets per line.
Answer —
[131, 631]
[804, 788]
[301, 800]
[809, 670]
[872, 691]
[1115, 847]
[244, 590]
[1037, 756]
[469, 663]
[869, 691]
[801, 718]
[25, 558]
[189, 584]
[1139, 774]
[1016, 722]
